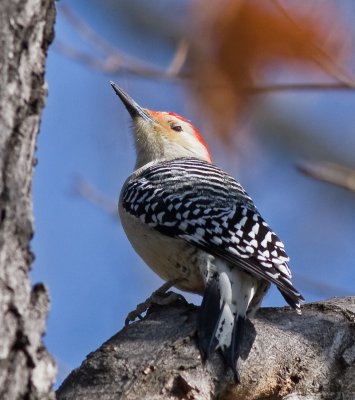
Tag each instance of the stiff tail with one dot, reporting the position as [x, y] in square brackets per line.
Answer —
[232, 353]
[208, 318]
[293, 301]
[223, 312]
[293, 297]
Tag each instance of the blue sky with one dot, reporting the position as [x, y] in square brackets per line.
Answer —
[82, 255]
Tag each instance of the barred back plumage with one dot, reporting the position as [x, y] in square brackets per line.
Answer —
[196, 201]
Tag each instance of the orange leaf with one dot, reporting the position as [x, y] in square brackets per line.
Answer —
[242, 38]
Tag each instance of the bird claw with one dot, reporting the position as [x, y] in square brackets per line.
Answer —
[164, 299]
[133, 315]
[160, 297]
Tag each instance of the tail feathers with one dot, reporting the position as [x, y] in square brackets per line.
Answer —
[208, 319]
[232, 353]
[222, 318]
[293, 301]
[293, 297]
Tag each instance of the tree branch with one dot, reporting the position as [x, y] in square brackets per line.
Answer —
[114, 61]
[304, 357]
[90, 193]
[329, 172]
[321, 57]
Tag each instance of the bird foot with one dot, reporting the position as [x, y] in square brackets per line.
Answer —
[160, 297]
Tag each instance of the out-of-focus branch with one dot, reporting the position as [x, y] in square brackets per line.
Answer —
[91, 194]
[85, 31]
[115, 65]
[320, 288]
[284, 87]
[114, 61]
[96, 41]
[179, 58]
[320, 55]
[333, 173]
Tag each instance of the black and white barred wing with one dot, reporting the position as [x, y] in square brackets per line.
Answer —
[198, 202]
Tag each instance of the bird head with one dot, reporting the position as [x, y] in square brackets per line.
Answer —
[161, 135]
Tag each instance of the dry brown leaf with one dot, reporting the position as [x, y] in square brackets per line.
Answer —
[242, 38]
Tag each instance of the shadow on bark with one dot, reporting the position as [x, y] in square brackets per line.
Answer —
[295, 357]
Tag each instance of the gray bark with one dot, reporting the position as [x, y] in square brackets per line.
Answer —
[283, 356]
[26, 30]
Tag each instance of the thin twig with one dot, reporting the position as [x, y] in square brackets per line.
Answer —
[114, 65]
[335, 174]
[316, 287]
[321, 56]
[179, 58]
[110, 65]
[85, 31]
[117, 62]
[88, 192]
[102, 46]
[283, 87]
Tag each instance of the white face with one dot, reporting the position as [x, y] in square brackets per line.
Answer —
[169, 136]
[176, 123]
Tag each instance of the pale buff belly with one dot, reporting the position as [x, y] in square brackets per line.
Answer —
[168, 257]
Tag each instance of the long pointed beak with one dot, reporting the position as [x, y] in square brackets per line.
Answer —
[133, 108]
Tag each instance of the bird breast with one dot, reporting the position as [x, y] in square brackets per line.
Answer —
[170, 258]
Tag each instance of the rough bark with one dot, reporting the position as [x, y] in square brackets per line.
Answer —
[26, 30]
[284, 356]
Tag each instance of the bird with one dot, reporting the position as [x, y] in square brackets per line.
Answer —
[197, 228]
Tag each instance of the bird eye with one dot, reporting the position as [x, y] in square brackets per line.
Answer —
[176, 127]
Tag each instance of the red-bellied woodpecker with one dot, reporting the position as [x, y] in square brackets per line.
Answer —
[195, 226]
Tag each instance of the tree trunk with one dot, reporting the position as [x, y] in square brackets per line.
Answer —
[26, 30]
[283, 356]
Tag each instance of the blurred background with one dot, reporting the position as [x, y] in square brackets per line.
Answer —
[268, 84]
